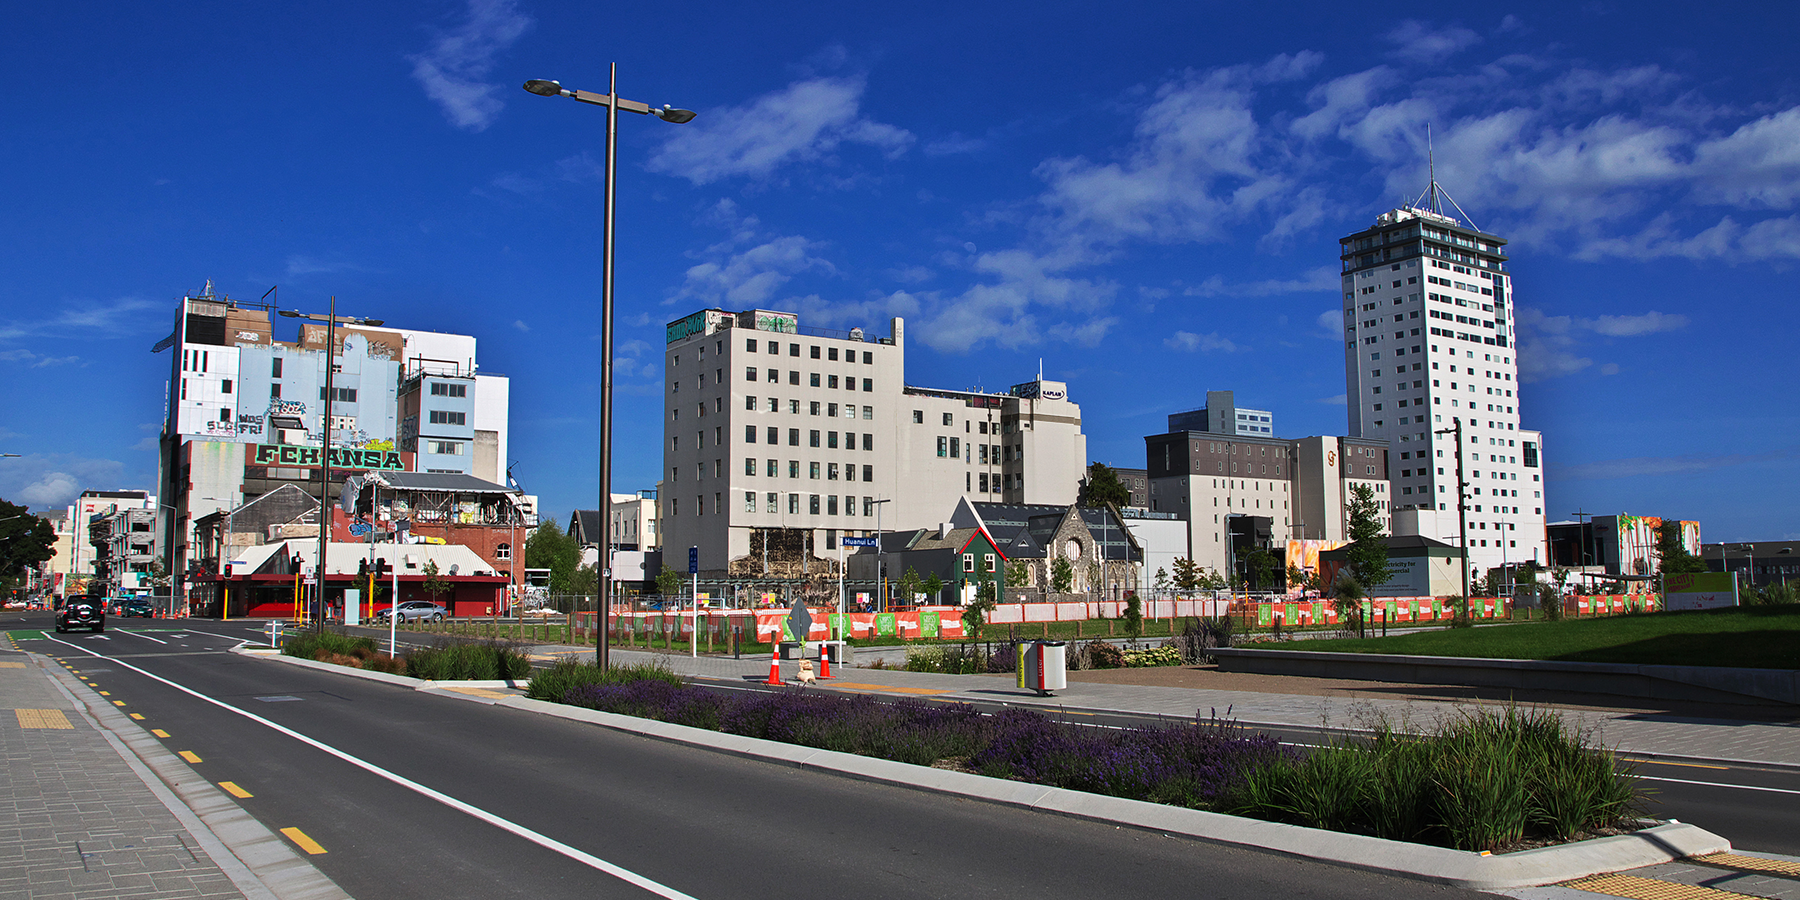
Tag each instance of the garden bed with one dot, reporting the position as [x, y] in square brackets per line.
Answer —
[447, 660]
[1487, 781]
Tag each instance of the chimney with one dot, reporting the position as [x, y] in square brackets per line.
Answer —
[943, 531]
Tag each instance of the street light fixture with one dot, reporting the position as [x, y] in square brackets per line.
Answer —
[331, 322]
[613, 103]
[1462, 504]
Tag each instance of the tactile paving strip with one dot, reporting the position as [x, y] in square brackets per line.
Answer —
[42, 718]
[1636, 888]
[1743, 863]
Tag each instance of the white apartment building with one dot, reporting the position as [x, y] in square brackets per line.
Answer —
[79, 564]
[1430, 342]
[782, 436]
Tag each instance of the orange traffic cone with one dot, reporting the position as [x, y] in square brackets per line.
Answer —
[824, 662]
[774, 666]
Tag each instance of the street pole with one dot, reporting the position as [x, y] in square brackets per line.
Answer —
[612, 102]
[880, 561]
[325, 473]
[1462, 503]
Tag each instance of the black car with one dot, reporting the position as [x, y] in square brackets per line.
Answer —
[81, 613]
[135, 606]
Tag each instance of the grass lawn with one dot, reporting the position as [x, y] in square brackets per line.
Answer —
[1757, 637]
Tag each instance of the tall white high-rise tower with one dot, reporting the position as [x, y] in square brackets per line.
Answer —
[1430, 342]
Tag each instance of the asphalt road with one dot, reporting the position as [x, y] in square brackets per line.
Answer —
[564, 800]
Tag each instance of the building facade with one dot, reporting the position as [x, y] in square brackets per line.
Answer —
[245, 414]
[780, 438]
[1222, 415]
[1430, 344]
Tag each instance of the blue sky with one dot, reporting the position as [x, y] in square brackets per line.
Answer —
[1144, 196]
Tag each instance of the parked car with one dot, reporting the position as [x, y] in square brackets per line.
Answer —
[81, 612]
[135, 606]
[414, 610]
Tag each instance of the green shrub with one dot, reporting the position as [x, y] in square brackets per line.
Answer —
[468, 661]
[567, 674]
[316, 644]
[1483, 781]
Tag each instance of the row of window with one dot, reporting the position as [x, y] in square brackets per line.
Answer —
[814, 379]
[772, 469]
[751, 404]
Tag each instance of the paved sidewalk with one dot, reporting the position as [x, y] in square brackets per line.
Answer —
[1627, 730]
[82, 815]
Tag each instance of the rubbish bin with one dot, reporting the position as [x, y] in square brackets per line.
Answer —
[789, 649]
[1044, 666]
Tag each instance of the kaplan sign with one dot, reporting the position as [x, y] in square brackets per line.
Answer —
[341, 457]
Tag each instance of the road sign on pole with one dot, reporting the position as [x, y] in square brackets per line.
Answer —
[858, 542]
[693, 560]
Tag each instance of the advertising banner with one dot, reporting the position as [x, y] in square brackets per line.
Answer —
[1700, 590]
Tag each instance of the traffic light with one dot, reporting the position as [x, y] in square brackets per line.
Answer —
[362, 568]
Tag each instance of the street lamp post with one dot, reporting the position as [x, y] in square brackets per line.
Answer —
[331, 322]
[1462, 504]
[613, 104]
[880, 563]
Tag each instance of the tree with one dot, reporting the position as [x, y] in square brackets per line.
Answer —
[549, 548]
[1162, 580]
[1187, 574]
[1260, 567]
[1306, 579]
[1368, 554]
[1062, 575]
[976, 613]
[1134, 615]
[1676, 560]
[25, 540]
[669, 581]
[1018, 573]
[1209, 579]
[585, 581]
[1347, 596]
[434, 584]
[933, 587]
[1102, 486]
[909, 586]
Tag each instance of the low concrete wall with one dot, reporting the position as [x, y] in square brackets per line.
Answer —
[1706, 684]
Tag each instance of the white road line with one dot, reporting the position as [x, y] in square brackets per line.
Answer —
[1746, 787]
[535, 837]
[135, 634]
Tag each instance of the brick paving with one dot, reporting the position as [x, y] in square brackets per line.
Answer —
[76, 821]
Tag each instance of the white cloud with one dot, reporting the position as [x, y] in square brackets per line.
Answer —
[520, 324]
[1551, 346]
[1323, 278]
[299, 265]
[806, 121]
[955, 144]
[1420, 42]
[1331, 324]
[1191, 342]
[118, 317]
[52, 489]
[1334, 400]
[1756, 165]
[454, 70]
[1655, 466]
[748, 267]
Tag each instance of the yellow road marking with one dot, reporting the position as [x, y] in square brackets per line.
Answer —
[159, 732]
[1751, 863]
[118, 703]
[138, 716]
[11, 665]
[1655, 762]
[480, 692]
[1635, 888]
[106, 693]
[190, 756]
[42, 718]
[235, 791]
[299, 837]
[858, 686]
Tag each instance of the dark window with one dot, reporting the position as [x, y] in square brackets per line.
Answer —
[868, 442]
[815, 351]
[750, 344]
[831, 440]
[831, 354]
[869, 385]
[750, 371]
[750, 435]
[275, 371]
[774, 435]
[868, 475]
[868, 358]
[793, 437]
[815, 380]
[793, 349]
[794, 378]
[814, 438]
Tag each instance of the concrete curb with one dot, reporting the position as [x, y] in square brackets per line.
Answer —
[259, 863]
[1457, 868]
[417, 684]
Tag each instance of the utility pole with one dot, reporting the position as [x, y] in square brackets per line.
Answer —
[1462, 503]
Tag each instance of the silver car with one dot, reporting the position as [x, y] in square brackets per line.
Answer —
[414, 610]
